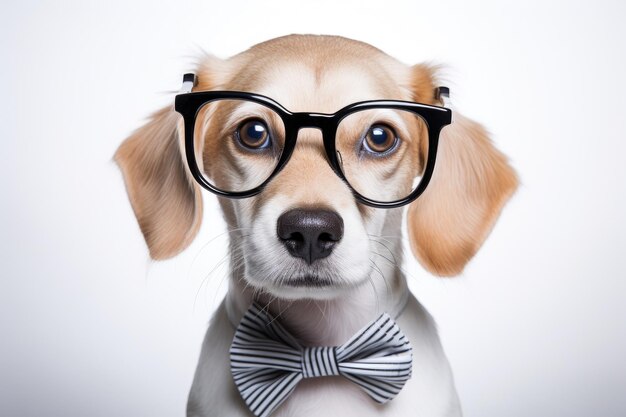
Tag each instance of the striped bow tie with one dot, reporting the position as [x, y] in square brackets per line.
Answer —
[267, 362]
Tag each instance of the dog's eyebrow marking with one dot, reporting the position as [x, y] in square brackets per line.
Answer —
[247, 109]
[318, 75]
[385, 116]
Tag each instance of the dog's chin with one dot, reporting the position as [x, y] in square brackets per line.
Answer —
[308, 287]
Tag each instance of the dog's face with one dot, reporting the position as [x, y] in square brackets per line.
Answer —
[305, 235]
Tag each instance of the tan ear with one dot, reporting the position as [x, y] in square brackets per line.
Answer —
[164, 197]
[471, 183]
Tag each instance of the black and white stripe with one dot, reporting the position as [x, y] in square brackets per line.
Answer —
[267, 362]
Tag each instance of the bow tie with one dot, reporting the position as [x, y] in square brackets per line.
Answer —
[267, 362]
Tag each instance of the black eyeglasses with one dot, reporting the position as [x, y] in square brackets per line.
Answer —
[384, 150]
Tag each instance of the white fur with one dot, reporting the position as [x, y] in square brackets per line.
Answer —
[430, 392]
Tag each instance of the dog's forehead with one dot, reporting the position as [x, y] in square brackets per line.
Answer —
[323, 87]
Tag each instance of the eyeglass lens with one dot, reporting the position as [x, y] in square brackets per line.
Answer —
[382, 151]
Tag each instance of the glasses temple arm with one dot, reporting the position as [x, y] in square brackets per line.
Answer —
[189, 82]
[443, 95]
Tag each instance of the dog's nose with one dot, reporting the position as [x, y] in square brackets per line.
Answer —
[310, 234]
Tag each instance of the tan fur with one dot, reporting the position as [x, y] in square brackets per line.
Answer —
[167, 203]
[471, 182]
[423, 83]
[307, 179]
[447, 224]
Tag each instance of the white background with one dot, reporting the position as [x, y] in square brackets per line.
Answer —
[90, 327]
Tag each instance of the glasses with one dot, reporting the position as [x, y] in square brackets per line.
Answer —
[237, 142]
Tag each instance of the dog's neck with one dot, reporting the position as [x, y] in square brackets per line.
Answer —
[326, 322]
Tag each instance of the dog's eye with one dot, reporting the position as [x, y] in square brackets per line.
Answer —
[380, 139]
[254, 134]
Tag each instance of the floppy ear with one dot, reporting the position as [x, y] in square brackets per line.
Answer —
[471, 182]
[166, 200]
[164, 197]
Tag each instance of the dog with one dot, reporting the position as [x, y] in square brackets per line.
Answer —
[323, 299]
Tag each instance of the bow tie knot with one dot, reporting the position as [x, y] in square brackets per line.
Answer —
[267, 362]
[319, 361]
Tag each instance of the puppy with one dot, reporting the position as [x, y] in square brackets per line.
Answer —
[321, 298]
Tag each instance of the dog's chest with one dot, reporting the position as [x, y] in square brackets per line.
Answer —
[330, 396]
[430, 392]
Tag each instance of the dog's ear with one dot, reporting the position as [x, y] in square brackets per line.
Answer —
[165, 199]
[471, 182]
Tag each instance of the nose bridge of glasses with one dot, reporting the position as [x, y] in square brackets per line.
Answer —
[309, 137]
[308, 129]
[311, 120]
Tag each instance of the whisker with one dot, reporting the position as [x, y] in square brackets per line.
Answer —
[232, 255]
[400, 267]
[376, 268]
[205, 279]
[394, 262]
[207, 243]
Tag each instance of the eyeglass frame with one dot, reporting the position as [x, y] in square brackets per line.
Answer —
[188, 104]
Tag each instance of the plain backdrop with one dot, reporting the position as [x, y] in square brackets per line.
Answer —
[90, 327]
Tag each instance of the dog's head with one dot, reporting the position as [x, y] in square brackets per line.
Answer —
[305, 234]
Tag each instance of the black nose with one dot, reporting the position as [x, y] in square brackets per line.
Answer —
[310, 234]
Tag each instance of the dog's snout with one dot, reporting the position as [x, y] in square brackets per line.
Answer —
[310, 234]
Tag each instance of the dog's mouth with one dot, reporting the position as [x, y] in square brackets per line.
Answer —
[309, 280]
[291, 282]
